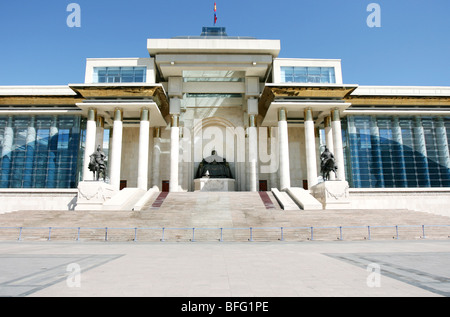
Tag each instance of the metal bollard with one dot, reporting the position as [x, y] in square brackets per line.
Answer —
[423, 232]
[135, 234]
[20, 234]
[193, 235]
[106, 233]
[312, 233]
[251, 235]
[221, 235]
[368, 230]
[78, 234]
[282, 238]
[162, 238]
[49, 233]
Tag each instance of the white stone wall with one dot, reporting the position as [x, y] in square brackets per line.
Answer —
[432, 200]
[297, 158]
[37, 199]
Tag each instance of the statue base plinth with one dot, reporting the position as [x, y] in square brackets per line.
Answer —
[332, 194]
[214, 184]
[92, 195]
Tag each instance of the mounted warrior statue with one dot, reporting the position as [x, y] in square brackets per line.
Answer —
[327, 164]
[97, 164]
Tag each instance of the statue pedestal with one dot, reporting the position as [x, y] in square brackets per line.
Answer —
[92, 195]
[332, 194]
[214, 184]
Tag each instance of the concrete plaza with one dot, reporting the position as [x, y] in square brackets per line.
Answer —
[278, 269]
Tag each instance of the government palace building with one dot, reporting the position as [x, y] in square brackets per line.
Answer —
[200, 105]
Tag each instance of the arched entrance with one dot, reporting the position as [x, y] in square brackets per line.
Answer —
[219, 134]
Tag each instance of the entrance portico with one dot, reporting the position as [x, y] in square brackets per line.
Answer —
[147, 106]
[127, 105]
[307, 106]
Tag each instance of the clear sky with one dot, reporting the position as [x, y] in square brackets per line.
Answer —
[412, 46]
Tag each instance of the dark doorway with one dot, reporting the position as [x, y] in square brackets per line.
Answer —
[165, 186]
[305, 184]
[123, 184]
[263, 185]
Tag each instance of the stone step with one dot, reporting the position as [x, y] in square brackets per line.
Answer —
[208, 212]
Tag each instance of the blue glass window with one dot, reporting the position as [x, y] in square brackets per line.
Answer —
[324, 75]
[39, 151]
[398, 152]
[119, 74]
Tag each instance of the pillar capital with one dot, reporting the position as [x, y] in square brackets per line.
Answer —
[252, 120]
[92, 114]
[308, 114]
[145, 114]
[282, 114]
[335, 115]
[118, 114]
[175, 120]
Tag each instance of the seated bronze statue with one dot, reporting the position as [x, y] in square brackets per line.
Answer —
[214, 166]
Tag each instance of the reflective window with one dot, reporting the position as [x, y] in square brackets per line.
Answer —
[308, 75]
[119, 74]
[39, 151]
[398, 151]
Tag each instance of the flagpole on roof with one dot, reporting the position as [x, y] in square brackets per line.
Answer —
[215, 15]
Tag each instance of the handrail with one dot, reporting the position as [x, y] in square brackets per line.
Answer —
[250, 229]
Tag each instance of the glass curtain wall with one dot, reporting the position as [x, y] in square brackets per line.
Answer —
[39, 151]
[398, 151]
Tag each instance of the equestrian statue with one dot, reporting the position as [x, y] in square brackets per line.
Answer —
[327, 164]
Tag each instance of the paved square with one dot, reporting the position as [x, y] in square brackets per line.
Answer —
[427, 270]
[278, 269]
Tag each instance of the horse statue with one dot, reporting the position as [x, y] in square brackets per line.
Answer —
[97, 164]
[327, 164]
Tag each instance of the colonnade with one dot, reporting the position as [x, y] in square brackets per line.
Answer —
[333, 137]
[94, 128]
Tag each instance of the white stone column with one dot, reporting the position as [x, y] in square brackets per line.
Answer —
[337, 142]
[285, 177]
[99, 131]
[329, 139]
[174, 153]
[116, 151]
[156, 157]
[252, 153]
[273, 149]
[310, 145]
[144, 131]
[89, 148]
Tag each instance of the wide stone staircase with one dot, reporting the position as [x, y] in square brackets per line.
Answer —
[224, 216]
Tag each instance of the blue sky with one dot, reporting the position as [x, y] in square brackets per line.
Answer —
[412, 46]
